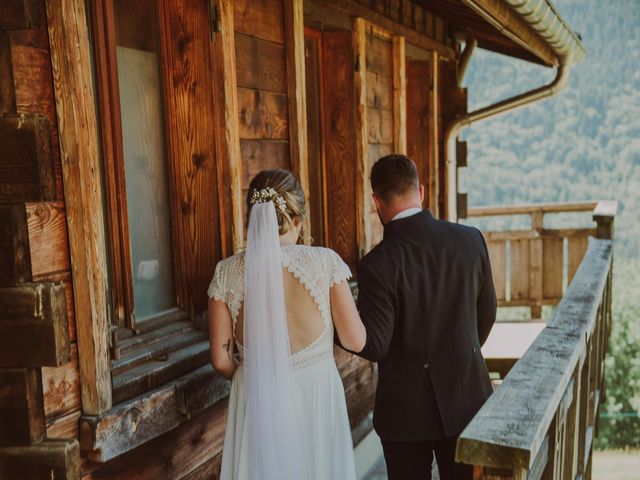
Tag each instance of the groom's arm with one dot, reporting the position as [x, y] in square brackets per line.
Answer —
[376, 307]
[486, 303]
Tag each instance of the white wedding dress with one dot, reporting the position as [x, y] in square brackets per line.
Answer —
[318, 403]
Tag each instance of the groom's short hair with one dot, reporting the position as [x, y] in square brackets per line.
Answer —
[394, 175]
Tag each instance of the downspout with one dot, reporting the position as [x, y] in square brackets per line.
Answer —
[504, 106]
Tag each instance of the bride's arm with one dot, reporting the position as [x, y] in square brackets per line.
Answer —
[221, 338]
[346, 319]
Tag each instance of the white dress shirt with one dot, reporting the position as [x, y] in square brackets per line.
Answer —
[407, 213]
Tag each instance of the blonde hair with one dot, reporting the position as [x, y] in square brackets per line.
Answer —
[288, 188]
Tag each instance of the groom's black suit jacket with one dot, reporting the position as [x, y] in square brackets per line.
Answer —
[426, 297]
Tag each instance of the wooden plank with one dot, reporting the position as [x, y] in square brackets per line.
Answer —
[341, 145]
[525, 209]
[75, 104]
[461, 205]
[64, 427]
[48, 238]
[553, 262]
[137, 421]
[33, 326]
[262, 114]
[532, 392]
[193, 168]
[262, 19]
[226, 130]
[7, 90]
[498, 257]
[380, 126]
[418, 118]
[55, 459]
[520, 265]
[379, 91]
[15, 257]
[21, 407]
[174, 455]
[577, 249]
[378, 54]
[297, 101]
[434, 134]
[258, 155]
[18, 14]
[399, 96]
[260, 64]
[61, 388]
[26, 168]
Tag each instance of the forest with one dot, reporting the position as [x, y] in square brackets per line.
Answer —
[583, 144]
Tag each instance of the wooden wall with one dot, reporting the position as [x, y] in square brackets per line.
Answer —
[262, 86]
[193, 450]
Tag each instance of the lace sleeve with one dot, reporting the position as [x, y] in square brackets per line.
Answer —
[338, 270]
[217, 287]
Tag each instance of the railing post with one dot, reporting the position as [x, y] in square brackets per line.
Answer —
[603, 215]
[536, 264]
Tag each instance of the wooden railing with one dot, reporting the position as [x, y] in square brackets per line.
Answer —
[532, 267]
[540, 423]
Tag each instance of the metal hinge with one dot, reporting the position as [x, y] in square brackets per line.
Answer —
[214, 18]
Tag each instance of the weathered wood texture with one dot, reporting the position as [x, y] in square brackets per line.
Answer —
[51, 459]
[18, 14]
[297, 102]
[26, 165]
[7, 89]
[33, 325]
[15, 257]
[75, 109]
[226, 130]
[419, 28]
[540, 394]
[137, 421]
[340, 141]
[48, 239]
[21, 407]
[265, 94]
[193, 171]
[535, 274]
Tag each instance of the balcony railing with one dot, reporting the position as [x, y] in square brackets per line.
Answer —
[541, 421]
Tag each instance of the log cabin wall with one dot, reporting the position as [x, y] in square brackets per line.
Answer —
[363, 41]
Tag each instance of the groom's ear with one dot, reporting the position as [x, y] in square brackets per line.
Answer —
[421, 189]
[376, 201]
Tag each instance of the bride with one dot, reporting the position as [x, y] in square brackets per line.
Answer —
[273, 309]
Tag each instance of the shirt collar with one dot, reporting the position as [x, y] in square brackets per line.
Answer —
[407, 213]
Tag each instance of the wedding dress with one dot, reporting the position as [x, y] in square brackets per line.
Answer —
[323, 447]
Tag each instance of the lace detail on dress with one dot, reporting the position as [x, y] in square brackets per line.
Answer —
[316, 268]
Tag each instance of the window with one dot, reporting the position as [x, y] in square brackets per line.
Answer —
[155, 84]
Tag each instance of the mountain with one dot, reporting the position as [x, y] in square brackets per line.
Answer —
[582, 144]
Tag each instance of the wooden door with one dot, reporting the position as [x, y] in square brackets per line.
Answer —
[418, 118]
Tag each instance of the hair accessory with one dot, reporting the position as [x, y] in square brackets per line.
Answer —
[265, 195]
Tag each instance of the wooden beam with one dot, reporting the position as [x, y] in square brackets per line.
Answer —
[7, 89]
[363, 185]
[15, 258]
[52, 459]
[19, 14]
[137, 421]
[21, 407]
[296, 94]
[604, 214]
[524, 209]
[353, 8]
[80, 155]
[227, 130]
[399, 96]
[434, 132]
[26, 165]
[33, 325]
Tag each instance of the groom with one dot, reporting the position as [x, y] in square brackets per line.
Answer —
[427, 300]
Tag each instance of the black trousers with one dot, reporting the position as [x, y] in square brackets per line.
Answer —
[412, 460]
